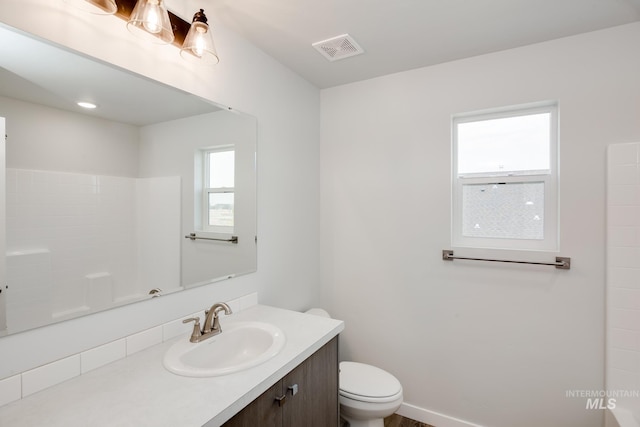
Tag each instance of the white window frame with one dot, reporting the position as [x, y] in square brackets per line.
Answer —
[206, 190]
[551, 212]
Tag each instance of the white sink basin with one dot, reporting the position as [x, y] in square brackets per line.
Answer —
[240, 346]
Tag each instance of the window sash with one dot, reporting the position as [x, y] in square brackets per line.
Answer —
[525, 200]
[549, 178]
[519, 145]
[217, 228]
[206, 191]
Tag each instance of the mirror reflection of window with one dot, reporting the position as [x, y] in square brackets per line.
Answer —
[219, 190]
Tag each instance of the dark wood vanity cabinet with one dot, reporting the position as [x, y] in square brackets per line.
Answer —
[306, 397]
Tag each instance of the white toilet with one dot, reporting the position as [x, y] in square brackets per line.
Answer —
[367, 394]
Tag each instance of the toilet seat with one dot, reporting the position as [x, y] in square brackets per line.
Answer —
[366, 383]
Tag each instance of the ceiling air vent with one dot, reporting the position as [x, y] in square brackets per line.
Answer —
[338, 47]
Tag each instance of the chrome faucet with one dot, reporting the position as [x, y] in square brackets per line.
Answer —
[211, 322]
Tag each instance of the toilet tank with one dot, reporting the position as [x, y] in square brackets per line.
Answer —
[318, 312]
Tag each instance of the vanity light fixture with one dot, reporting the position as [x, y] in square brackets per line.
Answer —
[151, 18]
[99, 7]
[198, 45]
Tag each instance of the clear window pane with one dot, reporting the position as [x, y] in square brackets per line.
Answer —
[508, 145]
[221, 209]
[507, 211]
[221, 169]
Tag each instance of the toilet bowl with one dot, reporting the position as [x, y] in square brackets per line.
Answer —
[367, 394]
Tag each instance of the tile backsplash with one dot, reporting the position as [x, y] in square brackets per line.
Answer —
[623, 268]
[34, 380]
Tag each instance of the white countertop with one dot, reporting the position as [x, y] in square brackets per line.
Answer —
[138, 391]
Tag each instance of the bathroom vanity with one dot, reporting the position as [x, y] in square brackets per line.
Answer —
[307, 396]
[139, 391]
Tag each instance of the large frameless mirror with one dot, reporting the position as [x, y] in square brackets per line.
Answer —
[151, 192]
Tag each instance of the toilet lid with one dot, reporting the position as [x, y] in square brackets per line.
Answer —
[365, 382]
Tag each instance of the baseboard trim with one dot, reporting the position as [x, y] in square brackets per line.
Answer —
[431, 417]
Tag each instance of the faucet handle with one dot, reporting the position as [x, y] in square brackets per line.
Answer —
[196, 333]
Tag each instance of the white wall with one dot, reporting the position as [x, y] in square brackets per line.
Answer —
[42, 138]
[623, 275]
[160, 155]
[496, 345]
[158, 212]
[71, 216]
[287, 109]
[65, 172]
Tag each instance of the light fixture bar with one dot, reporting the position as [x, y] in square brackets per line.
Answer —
[97, 7]
[148, 19]
[179, 25]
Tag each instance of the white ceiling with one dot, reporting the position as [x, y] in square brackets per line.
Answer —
[396, 35]
[58, 78]
[399, 35]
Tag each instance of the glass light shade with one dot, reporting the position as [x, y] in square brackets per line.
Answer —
[198, 45]
[98, 7]
[150, 20]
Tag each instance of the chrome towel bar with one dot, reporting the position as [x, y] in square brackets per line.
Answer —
[192, 236]
[562, 263]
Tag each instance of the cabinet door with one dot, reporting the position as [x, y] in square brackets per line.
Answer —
[305, 397]
[264, 411]
[315, 384]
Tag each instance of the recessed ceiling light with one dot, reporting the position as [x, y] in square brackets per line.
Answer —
[87, 105]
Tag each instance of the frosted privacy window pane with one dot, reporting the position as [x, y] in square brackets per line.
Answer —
[221, 209]
[221, 169]
[506, 145]
[508, 211]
